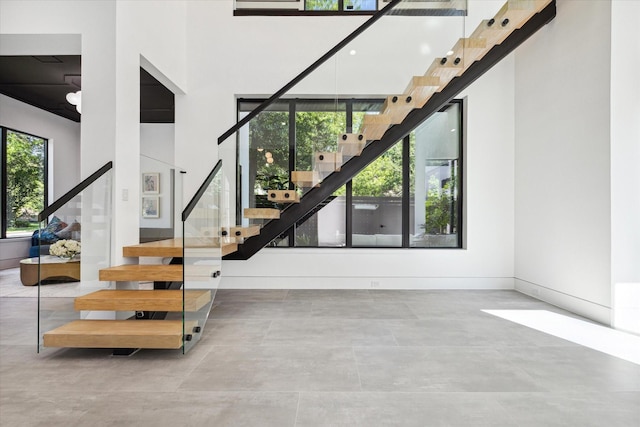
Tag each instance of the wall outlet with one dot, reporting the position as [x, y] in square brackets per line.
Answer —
[125, 194]
[375, 284]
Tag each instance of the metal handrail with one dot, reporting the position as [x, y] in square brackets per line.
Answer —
[308, 70]
[74, 192]
[196, 197]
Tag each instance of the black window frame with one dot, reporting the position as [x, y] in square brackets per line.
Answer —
[289, 104]
[4, 179]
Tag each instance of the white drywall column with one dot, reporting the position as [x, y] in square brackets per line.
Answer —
[563, 189]
[625, 157]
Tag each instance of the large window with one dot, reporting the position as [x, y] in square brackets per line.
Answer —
[409, 197]
[23, 175]
[342, 5]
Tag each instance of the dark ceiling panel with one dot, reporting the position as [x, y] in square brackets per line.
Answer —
[42, 81]
[157, 103]
[45, 81]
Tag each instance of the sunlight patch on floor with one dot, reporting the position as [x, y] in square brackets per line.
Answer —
[615, 343]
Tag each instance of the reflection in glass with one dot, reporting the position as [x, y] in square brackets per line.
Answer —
[377, 202]
[435, 180]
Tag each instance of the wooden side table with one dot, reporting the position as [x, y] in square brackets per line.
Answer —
[50, 267]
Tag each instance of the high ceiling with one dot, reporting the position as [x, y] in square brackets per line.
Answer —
[44, 82]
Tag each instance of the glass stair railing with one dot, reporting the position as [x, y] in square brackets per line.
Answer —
[287, 170]
[74, 245]
[168, 307]
[202, 249]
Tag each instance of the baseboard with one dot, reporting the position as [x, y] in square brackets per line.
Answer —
[573, 304]
[9, 263]
[418, 283]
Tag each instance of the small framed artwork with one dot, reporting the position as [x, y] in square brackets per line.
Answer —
[151, 207]
[151, 183]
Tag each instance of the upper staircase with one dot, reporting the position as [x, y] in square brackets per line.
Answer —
[492, 40]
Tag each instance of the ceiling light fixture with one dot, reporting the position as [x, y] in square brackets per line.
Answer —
[75, 98]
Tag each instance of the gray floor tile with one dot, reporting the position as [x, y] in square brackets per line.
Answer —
[420, 369]
[589, 409]
[266, 368]
[160, 409]
[251, 295]
[483, 330]
[261, 310]
[574, 368]
[320, 357]
[367, 409]
[222, 331]
[328, 332]
[354, 309]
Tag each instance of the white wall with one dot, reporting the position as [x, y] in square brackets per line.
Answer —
[625, 157]
[244, 56]
[117, 37]
[156, 155]
[256, 55]
[563, 168]
[64, 159]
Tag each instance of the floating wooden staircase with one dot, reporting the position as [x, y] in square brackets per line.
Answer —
[141, 333]
[424, 95]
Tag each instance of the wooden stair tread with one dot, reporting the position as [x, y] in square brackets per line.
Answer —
[138, 272]
[397, 107]
[158, 334]
[305, 178]
[352, 144]
[446, 72]
[242, 232]
[470, 50]
[161, 248]
[519, 11]
[283, 196]
[261, 213]
[421, 88]
[143, 300]
[229, 248]
[171, 248]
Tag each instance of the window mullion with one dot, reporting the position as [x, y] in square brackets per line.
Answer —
[406, 197]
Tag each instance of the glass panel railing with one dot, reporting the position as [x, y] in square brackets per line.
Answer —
[347, 100]
[74, 243]
[202, 255]
[161, 189]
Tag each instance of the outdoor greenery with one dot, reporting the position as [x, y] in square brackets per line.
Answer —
[317, 131]
[440, 207]
[25, 180]
[334, 5]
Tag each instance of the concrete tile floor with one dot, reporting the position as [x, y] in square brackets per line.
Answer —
[324, 358]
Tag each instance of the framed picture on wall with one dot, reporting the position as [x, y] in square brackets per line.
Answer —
[151, 207]
[151, 183]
